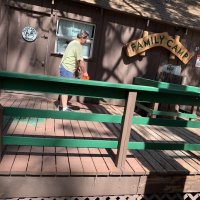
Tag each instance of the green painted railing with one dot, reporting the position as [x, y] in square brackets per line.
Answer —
[144, 90]
[166, 113]
[163, 85]
[107, 118]
[89, 143]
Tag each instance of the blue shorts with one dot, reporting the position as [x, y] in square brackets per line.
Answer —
[65, 73]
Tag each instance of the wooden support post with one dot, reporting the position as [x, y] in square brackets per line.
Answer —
[1, 131]
[126, 129]
[155, 107]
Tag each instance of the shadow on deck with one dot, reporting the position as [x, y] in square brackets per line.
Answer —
[29, 171]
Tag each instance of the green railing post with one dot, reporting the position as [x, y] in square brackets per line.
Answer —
[126, 129]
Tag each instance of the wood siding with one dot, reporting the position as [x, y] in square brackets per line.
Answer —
[113, 30]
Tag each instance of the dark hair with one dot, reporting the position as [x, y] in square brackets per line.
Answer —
[82, 33]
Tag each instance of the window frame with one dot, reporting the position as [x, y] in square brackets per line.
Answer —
[70, 38]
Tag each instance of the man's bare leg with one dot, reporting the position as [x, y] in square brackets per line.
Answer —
[63, 101]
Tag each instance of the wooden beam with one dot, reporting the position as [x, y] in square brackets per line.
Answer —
[126, 129]
[69, 186]
[84, 186]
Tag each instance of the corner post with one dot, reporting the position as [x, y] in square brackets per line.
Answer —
[126, 129]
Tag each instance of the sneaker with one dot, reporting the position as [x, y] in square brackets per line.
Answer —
[59, 108]
[68, 110]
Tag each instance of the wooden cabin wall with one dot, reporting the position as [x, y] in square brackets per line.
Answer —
[190, 71]
[22, 56]
[75, 12]
[3, 34]
[113, 30]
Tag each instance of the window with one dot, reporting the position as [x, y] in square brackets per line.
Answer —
[67, 30]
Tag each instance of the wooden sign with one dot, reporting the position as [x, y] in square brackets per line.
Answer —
[159, 39]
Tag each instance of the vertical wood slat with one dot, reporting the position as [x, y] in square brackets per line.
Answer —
[126, 129]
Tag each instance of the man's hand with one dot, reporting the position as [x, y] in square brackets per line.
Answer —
[85, 77]
[82, 67]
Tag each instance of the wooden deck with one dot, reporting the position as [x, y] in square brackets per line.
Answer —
[90, 171]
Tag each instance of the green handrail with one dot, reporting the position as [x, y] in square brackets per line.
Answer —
[147, 91]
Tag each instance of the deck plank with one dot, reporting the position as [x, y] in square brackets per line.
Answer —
[8, 160]
[159, 155]
[115, 129]
[22, 123]
[62, 161]
[136, 164]
[49, 161]
[41, 123]
[182, 165]
[21, 161]
[111, 132]
[138, 167]
[169, 136]
[7, 120]
[84, 153]
[179, 136]
[90, 161]
[146, 154]
[6, 101]
[50, 123]
[97, 156]
[76, 167]
[189, 137]
[31, 122]
[186, 133]
[169, 160]
[35, 161]
[73, 157]
[23, 127]
[104, 131]
[11, 126]
[49, 153]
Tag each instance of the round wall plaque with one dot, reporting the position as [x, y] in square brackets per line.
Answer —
[29, 34]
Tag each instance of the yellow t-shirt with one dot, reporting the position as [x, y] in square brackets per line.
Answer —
[72, 54]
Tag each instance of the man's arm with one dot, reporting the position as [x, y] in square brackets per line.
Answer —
[82, 66]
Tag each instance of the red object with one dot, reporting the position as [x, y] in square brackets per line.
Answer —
[85, 78]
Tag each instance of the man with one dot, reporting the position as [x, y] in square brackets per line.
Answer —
[72, 60]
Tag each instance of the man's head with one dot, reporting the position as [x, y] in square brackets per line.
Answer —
[82, 36]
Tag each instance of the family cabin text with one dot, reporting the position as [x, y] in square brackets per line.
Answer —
[159, 39]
